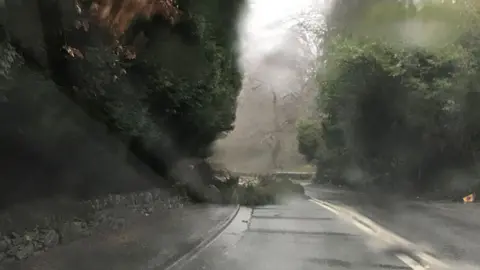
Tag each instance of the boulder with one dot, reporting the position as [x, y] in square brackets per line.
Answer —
[51, 239]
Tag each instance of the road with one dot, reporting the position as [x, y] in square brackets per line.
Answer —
[450, 231]
[341, 230]
[298, 235]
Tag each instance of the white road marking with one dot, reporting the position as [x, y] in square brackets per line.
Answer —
[375, 230]
[410, 262]
[363, 227]
[207, 242]
[324, 205]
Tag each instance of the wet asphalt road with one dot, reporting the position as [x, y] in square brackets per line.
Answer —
[449, 230]
[298, 235]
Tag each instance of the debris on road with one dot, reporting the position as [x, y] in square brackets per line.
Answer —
[469, 198]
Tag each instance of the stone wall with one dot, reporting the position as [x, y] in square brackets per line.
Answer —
[28, 229]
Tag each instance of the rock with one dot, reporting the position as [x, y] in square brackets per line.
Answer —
[31, 236]
[2, 256]
[148, 210]
[148, 198]
[71, 231]
[51, 239]
[24, 252]
[38, 246]
[118, 199]
[17, 240]
[27, 238]
[156, 194]
[96, 204]
[101, 217]
[221, 178]
[105, 203]
[169, 203]
[3, 245]
[133, 200]
[7, 240]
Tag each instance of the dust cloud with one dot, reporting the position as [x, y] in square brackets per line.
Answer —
[277, 90]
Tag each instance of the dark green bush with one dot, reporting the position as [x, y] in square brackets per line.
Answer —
[308, 134]
[170, 101]
[393, 111]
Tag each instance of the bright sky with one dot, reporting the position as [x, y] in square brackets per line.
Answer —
[270, 12]
[266, 21]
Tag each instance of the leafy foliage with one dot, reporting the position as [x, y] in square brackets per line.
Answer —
[161, 75]
[308, 140]
[398, 111]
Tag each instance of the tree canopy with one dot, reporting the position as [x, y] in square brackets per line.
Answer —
[162, 75]
[396, 104]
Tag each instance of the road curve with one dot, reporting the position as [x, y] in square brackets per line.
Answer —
[450, 231]
[297, 235]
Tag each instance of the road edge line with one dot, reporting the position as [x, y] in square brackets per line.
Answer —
[372, 228]
[216, 232]
[410, 262]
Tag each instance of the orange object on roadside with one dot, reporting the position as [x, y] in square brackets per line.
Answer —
[469, 198]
